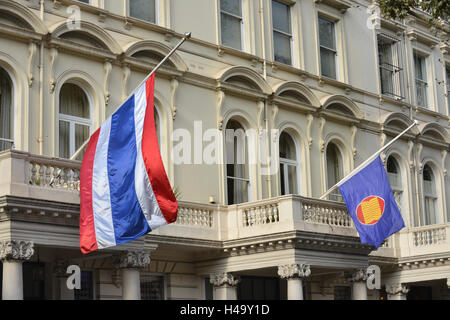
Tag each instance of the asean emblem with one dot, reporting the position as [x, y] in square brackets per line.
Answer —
[370, 210]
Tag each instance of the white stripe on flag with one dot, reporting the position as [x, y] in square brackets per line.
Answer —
[101, 199]
[144, 191]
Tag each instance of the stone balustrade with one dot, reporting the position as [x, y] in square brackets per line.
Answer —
[194, 215]
[429, 236]
[326, 212]
[52, 179]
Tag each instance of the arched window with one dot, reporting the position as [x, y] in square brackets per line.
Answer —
[430, 196]
[335, 170]
[238, 181]
[157, 126]
[288, 165]
[395, 180]
[74, 120]
[6, 111]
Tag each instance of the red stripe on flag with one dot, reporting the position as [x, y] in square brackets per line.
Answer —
[153, 162]
[88, 240]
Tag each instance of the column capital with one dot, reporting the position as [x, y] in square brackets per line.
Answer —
[357, 275]
[224, 279]
[290, 271]
[397, 288]
[132, 260]
[16, 250]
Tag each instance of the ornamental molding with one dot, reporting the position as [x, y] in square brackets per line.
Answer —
[294, 271]
[16, 250]
[132, 259]
[224, 279]
[396, 288]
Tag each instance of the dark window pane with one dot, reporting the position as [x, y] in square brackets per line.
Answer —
[342, 293]
[282, 47]
[152, 287]
[328, 63]
[326, 33]
[33, 281]
[281, 17]
[64, 139]
[87, 287]
[143, 9]
[231, 6]
[231, 31]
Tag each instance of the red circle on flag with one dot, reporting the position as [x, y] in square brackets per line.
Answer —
[370, 210]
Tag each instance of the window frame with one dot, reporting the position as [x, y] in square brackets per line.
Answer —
[447, 83]
[73, 120]
[291, 35]
[247, 155]
[13, 116]
[157, 15]
[336, 194]
[424, 58]
[289, 162]
[241, 26]
[433, 196]
[397, 76]
[335, 50]
[396, 189]
[155, 274]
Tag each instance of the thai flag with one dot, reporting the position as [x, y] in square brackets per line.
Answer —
[124, 189]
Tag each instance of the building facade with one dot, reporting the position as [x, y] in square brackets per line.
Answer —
[332, 79]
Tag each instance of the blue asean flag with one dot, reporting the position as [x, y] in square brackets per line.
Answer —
[371, 204]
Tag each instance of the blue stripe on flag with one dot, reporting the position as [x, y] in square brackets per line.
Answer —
[128, 218]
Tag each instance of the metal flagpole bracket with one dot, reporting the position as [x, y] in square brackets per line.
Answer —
[362, 165]
[186, 36]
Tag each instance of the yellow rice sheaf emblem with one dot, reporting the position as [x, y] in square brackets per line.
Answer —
[370, 210]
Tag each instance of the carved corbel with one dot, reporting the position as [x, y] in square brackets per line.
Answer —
[173, 90]
[125, 78]
[354, 130]
[419, 157]
[31, 55]
[275, 110]
[309, 119]
[53, 56]
[219, 107]
[260, 115]
[383, 138]
[322, 122]
[107, 66]
[444, 157]
[410, 154]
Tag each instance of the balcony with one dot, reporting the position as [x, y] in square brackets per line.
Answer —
[46, 190]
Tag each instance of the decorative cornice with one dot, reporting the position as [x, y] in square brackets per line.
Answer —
[132, 259]
[224, 279]
[16, 250]
[292, 271]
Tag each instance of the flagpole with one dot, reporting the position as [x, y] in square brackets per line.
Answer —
[186, 36]
[362, 165]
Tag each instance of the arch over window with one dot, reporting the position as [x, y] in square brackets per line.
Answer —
[97, 36]
[395, 180]
[430, 196]
[75, 122]
[237, 169]
[343, 104]
[18, 15]
[298, 92]
[335, 169]
[288, 165]
[250, 75]
[154, 50]
[6, 111]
